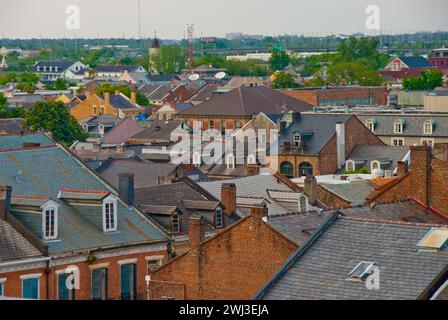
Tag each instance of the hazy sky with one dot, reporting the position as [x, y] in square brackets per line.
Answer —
[115, 18]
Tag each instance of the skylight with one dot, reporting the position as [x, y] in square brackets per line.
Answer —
[436, 239]
[361, 271]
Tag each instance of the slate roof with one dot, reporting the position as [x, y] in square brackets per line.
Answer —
[61, 64]
[148, 88]
[355, 192]
[245, 101]
[15, 142]
[206, 93]
[11, 127]
[120, 102]
[319, 269]
[145, 173]
[256, 187]
[121, 133]
[45, 172]
[160, 93]
[116, 68]
[167, 78]
[387, 155]
[416, 62]
[158, 130]
[319, 129]
[14, 245]
[413, 127]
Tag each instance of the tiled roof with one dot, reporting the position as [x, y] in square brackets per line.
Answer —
[145, 173]
[120, 102]
[16, 142]
[160, 93]
[158, 130]
[245, 101]
[62, 64]
[45, 172]
[321, 126]
[413, 126]
[320, 268]
[387, 155]
[114, 68]
[355, 192]
[121, 133]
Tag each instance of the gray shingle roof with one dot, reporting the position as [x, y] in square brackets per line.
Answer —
[14, 142]
[355, 192]
[320, 272]
[319, 129]
[44, 172]
[413, 124]
[387, 155]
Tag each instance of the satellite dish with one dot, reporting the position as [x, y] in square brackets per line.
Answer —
[220, 75]
[194, 77]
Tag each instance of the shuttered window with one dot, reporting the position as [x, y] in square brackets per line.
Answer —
[30, 288]
[64, 293]
[1, 289]
[128, 279]
[99, 284]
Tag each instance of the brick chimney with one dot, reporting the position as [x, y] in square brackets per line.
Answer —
[402, 168]
[421, 172]
[126, 187]
[228, 198]
[134, 97]
[196, 233]
[5, 200]
[311, 188]
[259, 212]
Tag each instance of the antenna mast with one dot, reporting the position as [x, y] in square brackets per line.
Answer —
[190, 30]
[139, 25]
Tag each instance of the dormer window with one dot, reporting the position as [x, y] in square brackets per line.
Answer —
[398, 126]
[196, 159]
[101, 129]
[350, 165]
[251, 159]
[370, 125]
[95, 110]
[230, 161]
[175, 223]
[50, 220]
[428, 127]
[375, 165]
[85, 126]
[50, 68]
[38, 69]
[303, 203]
[296, 139]
[219, 218]
[110, 214]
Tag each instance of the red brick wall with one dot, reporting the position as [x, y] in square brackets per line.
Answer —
[330, 199]
[233, 265]
[12, 287]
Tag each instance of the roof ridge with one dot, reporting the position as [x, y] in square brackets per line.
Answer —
[28, 148]
[392, 222]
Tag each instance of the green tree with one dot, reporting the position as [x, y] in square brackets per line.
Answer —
[124, 89]
[428, 80]
[284, 80]
[170, 59]
[349, 73]
[279, 59]
[54, 117]
[3, 106]
[59, 84]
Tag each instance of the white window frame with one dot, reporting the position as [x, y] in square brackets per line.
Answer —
[32, 276]
[50, 205]
[153, 258]
[196, 158]
[296, 141]
[423, 140]
[372, 164]
[230, 161]
[178, 230]
[428, 122]
[101, 129]
[301, 199]
[370, 125]
[347, 163]
[108, 201]
[397, 139]
[251, 159]
[221, 224]
[398, 125]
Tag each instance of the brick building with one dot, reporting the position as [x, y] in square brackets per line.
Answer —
[117, 105]
[318, 144]
[79, 224]
[425, 181]
[341, 96]
[231, 265]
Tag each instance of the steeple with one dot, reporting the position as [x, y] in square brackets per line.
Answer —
[155, 42]
[153, 52]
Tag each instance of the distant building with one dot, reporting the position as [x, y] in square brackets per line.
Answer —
[154, 51]
[402, 67]
[52, 70]
[116, 71]
[439, 58]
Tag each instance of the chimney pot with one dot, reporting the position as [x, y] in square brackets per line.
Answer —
[126, 187]
[107, 99]
[228, 198]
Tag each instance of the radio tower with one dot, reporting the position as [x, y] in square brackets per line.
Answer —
[190, 30]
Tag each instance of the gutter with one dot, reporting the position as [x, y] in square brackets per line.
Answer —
[297, 255]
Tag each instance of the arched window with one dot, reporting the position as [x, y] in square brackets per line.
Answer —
[375, 164]
[50, 220]
[101, 129]
[303, 203]
[219, 218]
[287, 169]
[398, 126]
[350, 165]
[296, 139]
[427, 127]
[305, 169]
[251, 159]
[369, 124]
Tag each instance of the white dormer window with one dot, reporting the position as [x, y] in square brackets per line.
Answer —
[45, 69]
[101, 129]
[219, 218]
[38, 68]
[196, 159]
[110, 214]
[350, 165]
[398, 126]
[375, 164]
[428, 127]
[50, 68]
[296, 139]
[50, 220]
[370, 125]
[251, 159]
[85, 127]
[230, 161]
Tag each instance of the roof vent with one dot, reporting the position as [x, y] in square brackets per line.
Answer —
[435, 240]
[361, 271]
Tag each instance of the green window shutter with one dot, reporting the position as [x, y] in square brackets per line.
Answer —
[30, 288]
[128, 281]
